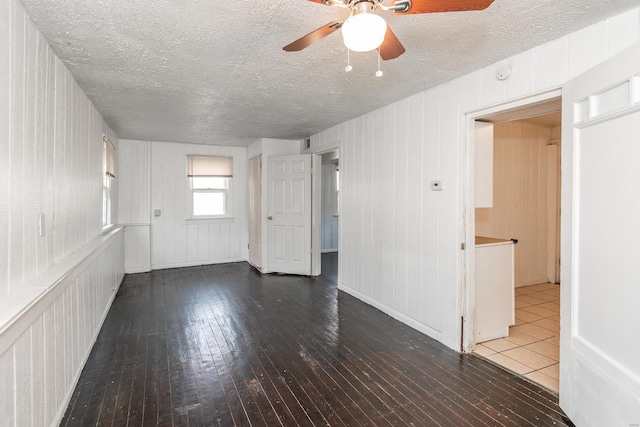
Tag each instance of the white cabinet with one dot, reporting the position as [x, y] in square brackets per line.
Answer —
[484, 165]
[495, 304]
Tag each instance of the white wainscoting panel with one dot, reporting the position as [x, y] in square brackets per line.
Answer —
[137, 248]
[411, 265]
[44, 348]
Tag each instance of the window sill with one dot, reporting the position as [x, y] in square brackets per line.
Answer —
[210, 220]
[106, 229]
[15, 306]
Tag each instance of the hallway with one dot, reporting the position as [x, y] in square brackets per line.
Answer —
[222, 345]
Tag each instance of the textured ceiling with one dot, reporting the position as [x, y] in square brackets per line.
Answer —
[215, 72]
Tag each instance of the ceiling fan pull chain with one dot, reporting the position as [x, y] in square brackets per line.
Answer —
[379, 73]
[348, 67]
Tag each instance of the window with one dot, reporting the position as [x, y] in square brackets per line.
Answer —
[106, 201]
[209, 196]
[210, 185]
[108, 167]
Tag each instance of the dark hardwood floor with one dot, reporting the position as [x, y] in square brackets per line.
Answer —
[220, 346]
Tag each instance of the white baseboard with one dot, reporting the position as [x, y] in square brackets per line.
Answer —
[196, 263]
[409, 321]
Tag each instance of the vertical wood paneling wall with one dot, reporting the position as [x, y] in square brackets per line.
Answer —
[55, 286]
[51, 154]
[134, 207]
[400, 241]
[155, 178]
[520, 197]
[134, 172]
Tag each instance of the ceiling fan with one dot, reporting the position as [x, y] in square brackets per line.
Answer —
[364, 30]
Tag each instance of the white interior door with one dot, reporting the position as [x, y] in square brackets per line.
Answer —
[289, 214]
[600, 285]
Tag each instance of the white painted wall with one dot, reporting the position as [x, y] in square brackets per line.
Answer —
[155, 177]
[400, 241]
[55, 288]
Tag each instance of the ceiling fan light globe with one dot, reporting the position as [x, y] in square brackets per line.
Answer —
[364, 32]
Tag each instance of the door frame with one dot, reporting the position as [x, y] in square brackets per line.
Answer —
[316, 209]
[287, 219]
[468, 255]
[316, 214]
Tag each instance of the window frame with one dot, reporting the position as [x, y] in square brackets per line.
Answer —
[106, 201]
[227, 199]
[108, 175]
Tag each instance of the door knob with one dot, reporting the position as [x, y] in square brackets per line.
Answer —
[269, 217]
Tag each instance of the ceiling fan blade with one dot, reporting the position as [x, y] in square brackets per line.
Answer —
[432, 6]
[313, 36]
[391, 47]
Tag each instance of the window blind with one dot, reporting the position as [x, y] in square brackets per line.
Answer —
[209, 166]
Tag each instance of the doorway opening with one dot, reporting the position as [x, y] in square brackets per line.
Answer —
[515, 308]
[329, 200]
[330, 213]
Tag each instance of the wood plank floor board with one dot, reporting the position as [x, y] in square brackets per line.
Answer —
[392, 376]
[293, 375]
[513, 396]
[360, 389]
[224, 333]
[313, 376]
[221, 345]
[377, 364]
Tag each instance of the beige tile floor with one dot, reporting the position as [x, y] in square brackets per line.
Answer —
[532, 348]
